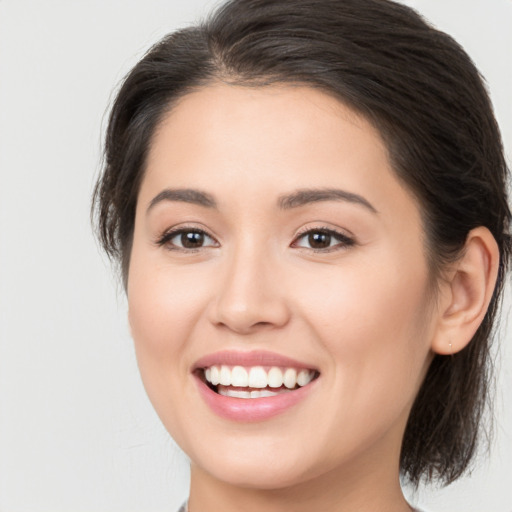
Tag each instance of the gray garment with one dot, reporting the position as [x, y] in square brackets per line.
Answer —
[183, 508]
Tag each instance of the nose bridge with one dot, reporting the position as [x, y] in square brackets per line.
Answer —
[249, 294]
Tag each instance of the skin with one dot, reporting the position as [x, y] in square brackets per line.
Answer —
[362, 313]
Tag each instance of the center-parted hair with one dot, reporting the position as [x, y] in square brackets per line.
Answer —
[419, 89]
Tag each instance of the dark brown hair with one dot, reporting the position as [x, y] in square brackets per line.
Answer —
[429, 103]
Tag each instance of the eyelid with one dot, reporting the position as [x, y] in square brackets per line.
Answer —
[344, 239]
[165, 238]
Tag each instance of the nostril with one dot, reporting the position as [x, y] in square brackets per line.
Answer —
[243, 323]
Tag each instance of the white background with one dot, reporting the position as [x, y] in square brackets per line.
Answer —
[76, 430]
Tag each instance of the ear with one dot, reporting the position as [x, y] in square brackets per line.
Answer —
[465, 294]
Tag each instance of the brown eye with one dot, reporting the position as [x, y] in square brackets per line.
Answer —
[186, 239]
[192, 239]
[323, 240]
[319, 240]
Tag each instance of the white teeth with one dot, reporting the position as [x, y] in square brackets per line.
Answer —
[304, 377]
[266, 393]
[257, 377]
[290, 378]
[259, 393]
[214, 375]
[235, 393]
[225, 376]
[239, 377]
[275, 377]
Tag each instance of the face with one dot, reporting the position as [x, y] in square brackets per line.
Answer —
[278, 287]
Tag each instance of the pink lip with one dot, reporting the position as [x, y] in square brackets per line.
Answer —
[252, 358]
[254, 409]
[251, 409]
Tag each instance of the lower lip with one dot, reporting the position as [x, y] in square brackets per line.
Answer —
[251, 409]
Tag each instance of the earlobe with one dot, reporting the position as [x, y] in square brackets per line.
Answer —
[467, 292]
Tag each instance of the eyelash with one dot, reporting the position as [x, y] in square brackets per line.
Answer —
[167, 236]
[344, 241]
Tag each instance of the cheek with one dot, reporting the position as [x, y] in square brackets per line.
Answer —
[372, 326]
[163, 308]
[357, 298]
[373, 320]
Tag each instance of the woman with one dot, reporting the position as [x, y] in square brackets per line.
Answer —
[307, 199]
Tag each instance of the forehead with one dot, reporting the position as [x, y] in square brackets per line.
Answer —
[245, 142]
[292, 112]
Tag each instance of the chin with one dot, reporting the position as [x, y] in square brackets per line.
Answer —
[250, 464]
[256, 475]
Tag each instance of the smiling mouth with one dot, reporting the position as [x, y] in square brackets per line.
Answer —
[255, 381]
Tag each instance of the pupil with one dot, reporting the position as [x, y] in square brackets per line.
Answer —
[319, 240]
[192, 240]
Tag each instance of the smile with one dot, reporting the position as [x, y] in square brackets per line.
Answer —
[252, 386]
[256, 381]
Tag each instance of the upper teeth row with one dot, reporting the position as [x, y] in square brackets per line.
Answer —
[257, 376]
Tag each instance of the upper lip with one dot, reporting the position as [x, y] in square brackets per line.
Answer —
[249, 358]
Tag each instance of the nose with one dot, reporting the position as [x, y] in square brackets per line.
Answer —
[250, 295]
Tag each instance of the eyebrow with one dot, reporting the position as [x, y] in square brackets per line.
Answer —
[296, 199]
[184, 195]
[303, 197]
